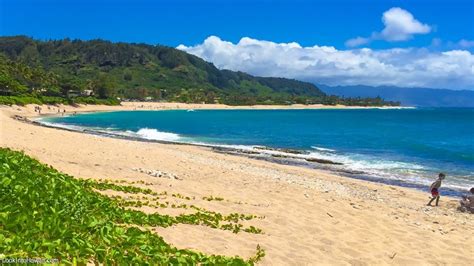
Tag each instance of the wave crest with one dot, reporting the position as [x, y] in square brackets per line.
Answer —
[322, 149]
[153, 134]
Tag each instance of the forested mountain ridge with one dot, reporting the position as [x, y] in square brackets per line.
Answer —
[142, 71]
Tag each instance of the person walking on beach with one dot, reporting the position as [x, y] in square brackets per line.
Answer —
[435, 189]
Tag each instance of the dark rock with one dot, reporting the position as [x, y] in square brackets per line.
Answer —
[322, 161]
[292, 151]
[281, 156]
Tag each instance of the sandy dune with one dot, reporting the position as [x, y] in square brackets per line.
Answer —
[310, 217]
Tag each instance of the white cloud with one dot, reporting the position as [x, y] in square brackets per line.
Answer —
[400, 25]
[407, 67]
[358, 41]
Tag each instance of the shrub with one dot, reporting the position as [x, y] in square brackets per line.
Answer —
[27, 99]
[45, 213]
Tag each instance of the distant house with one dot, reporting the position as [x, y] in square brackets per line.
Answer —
[148, 99]
[87, 93]
[5, 91]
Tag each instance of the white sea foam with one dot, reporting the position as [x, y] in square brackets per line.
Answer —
[364, 163]
[390, 169]
[322, 149]
[153, 134]
[60, 125]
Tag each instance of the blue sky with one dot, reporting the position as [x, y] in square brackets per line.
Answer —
[190, 22]
[421, 43]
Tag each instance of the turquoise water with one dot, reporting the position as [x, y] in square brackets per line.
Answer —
[402, 146]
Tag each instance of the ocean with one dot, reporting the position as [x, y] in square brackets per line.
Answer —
[406, 147]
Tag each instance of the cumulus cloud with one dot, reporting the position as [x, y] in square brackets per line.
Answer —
[358, 41]
[462, 44]
[400, 25]
[407, 67]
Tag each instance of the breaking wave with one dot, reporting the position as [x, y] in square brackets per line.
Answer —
[322, 149]
[153, 134]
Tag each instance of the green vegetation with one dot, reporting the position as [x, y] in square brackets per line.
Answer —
[211, 198]
[26, 99]
[45, 213]
[21, 84]
[66, 68]
[202, 216]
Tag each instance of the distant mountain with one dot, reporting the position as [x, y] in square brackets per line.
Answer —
[142, 71]
[407, 96]
[139, 71]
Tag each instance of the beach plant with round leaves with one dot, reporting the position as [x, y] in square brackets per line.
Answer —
[47, 214]
[211, 198]
[201, 217]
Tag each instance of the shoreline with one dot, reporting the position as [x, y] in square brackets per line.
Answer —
[271, 154]
[357, 222]
[155, 106]
[279, 157]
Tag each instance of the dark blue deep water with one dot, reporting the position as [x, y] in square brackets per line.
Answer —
[407, 145]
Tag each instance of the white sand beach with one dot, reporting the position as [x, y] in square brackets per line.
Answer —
[311, 217]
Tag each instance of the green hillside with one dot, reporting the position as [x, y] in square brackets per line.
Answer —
[141, 71]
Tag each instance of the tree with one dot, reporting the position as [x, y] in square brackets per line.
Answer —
[103, 87]
[9, 86]
[127, 75]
